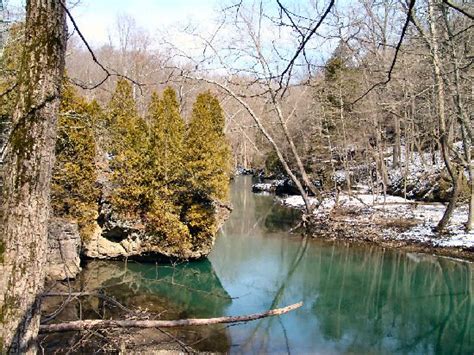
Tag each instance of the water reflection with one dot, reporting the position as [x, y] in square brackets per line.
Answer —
[357, 300]
[387, 302]
[170, 291]
[193, 288]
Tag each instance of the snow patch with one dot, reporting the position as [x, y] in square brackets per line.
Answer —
[295, 201]
[424, 216]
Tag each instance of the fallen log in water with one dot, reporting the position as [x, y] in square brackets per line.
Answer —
[109, 323]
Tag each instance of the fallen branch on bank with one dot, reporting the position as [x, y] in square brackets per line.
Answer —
[100, 323]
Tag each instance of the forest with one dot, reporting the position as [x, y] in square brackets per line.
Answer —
[355, 114]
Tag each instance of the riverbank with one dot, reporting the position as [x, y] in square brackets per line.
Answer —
[389, 222]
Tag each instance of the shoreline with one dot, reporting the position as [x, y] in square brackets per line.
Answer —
[392, 222]
[336, 232]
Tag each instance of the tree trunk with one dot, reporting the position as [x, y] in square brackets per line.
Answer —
[440, 96]
[306, 179]
[309, 206]
[464, 123]
[397, 145]
[24, 209]
[452, 202]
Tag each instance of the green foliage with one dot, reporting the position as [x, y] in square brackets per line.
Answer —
[9, 65]
[128, 146]
[167, 134]
[208, 166]
[166, 172]
[207, 150]
[273, 165]
[340, 85]
[334, 69]
[200, 218]
[162, 174]
[74, 191]
[163, 222]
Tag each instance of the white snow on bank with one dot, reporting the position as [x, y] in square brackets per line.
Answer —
[267, 186]
[295, 201]
[261, 186]
[424, 215]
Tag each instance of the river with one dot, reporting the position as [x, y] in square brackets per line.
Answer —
[356, 299]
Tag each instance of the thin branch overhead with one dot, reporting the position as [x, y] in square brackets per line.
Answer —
[395, 56]
[459, 9]
[304, 41]
[108, 72]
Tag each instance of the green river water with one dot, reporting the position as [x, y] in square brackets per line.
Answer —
[358, 300]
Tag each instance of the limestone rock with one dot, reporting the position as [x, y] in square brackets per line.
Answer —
[98, 247]
[116, 238]
[64, 249]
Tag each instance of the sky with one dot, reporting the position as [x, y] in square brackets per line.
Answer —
[96, 18]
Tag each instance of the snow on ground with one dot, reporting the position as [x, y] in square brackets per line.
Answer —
[416, 219]
[267, 186]
[295, 201]
[423, 216]
[262, 186]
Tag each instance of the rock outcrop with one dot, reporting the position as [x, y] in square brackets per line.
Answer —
[64, 249]
[116, 238]
[432, 185]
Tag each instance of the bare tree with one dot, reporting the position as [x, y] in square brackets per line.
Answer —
[244, 49]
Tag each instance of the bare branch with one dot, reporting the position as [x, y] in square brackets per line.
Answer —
[94, 58]
[303, 43]
[459, 9]
[395, 56]
[100, 324]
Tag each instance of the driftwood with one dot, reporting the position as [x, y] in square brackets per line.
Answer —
[100, 323]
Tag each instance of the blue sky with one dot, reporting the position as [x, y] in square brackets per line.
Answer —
[96, 18]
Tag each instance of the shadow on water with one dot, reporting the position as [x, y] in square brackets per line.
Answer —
[186, 290]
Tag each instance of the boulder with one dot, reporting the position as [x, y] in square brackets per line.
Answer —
[64, 250]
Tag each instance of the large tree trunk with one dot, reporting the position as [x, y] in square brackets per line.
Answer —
[24, 209]
[463, 120]
[444, 140]
[443, 223]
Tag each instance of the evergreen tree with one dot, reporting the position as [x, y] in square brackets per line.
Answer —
[128, 150]
[207, 167]
[167, 134]
[166, 170]
[207, 150]
[74, 189]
